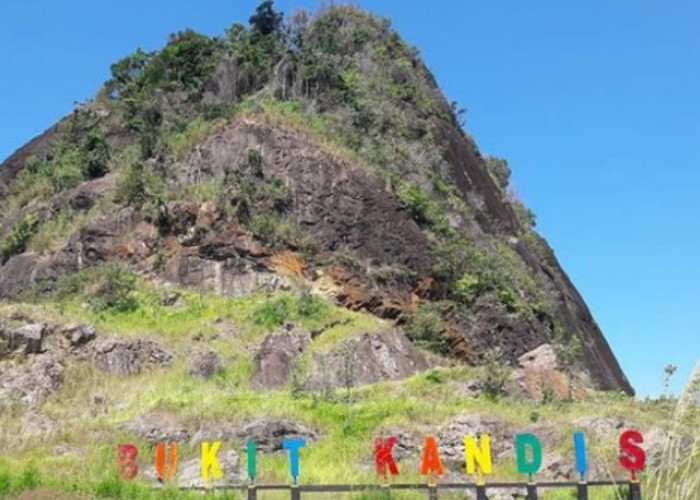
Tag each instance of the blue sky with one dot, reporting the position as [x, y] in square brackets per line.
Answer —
[595, 104]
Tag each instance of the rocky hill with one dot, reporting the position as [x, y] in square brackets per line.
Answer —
[291, 206]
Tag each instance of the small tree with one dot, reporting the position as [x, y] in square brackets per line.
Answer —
[94, 155]
[266, 20]
[669, 371]
[496, 374]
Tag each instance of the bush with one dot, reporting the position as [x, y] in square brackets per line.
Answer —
[94, 155]
[16, 240]
[418, 202]
[499, 170]
[138, 186]
[310, 306]
[273, 312]
[468, 288]
[496, 374]
[425, 328]
[115, 290]
[274, 230]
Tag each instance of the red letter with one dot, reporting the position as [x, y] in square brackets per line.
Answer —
[431, 458]
[632, 457]
[166, 472]
[126, 457]
[383, 456]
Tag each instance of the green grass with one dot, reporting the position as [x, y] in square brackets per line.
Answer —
[233, 327]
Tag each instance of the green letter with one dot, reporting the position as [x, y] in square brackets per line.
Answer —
[522, 443]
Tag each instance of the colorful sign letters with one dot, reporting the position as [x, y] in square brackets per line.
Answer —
[477, 457]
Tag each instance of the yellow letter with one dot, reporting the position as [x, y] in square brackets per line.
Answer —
[478, 458]
[210, 464]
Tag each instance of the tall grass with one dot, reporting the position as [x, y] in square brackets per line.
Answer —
[677, 475]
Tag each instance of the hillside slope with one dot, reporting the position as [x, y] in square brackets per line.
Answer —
[322, 149]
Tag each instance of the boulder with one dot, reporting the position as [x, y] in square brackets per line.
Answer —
[368, 358]
[543, 357]
[275, 358]
[190, 472]
[79, 335]
[26, 339]
[269, 433]
[205, 364]
[159, 427]
[603, 428]
[451, 438]
[31, 383]
[128, 356]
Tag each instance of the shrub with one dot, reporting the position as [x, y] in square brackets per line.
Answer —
[15, 241]
[138, 186]
[499, 170]
[468, 288]
[273, 312]
[274, 230]
[94, 155]
[425, 328]
[115, 290]
[418, 202]
[496, 374]
[310, 306]
[131, 189]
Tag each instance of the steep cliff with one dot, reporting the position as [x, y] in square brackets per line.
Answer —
[318, 154]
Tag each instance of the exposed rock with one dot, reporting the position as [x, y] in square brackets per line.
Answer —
[26, 339]
[269, 433]
[79, 335]
[538, 374]
[31, 383]
[36, 425]
[159, 427]
[274, 360]
[128, 356]
[603, 428]
[205, 364]
[451, 438]
[365, 359]
[190, 472]
[469, 388]
[543, 357]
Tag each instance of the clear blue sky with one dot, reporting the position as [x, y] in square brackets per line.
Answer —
[595, 103]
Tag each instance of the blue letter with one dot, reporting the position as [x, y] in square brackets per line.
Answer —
[293, 446]
[580, 444]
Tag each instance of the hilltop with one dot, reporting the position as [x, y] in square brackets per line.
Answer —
[284, 230]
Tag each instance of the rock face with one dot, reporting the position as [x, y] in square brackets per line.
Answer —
[127, 356]
[205, 364]
[369, 358]
[26, 339]
[275, 358]
[375, 247]
[32, 382]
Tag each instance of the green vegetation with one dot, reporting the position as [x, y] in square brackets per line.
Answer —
[94, 155]
[425, 327]
[274, 312]
[16, 240]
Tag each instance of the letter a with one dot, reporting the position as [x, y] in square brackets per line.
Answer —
[383, 456]
[431, 458]
[166, 468]
[210, 463]
[478, 458]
